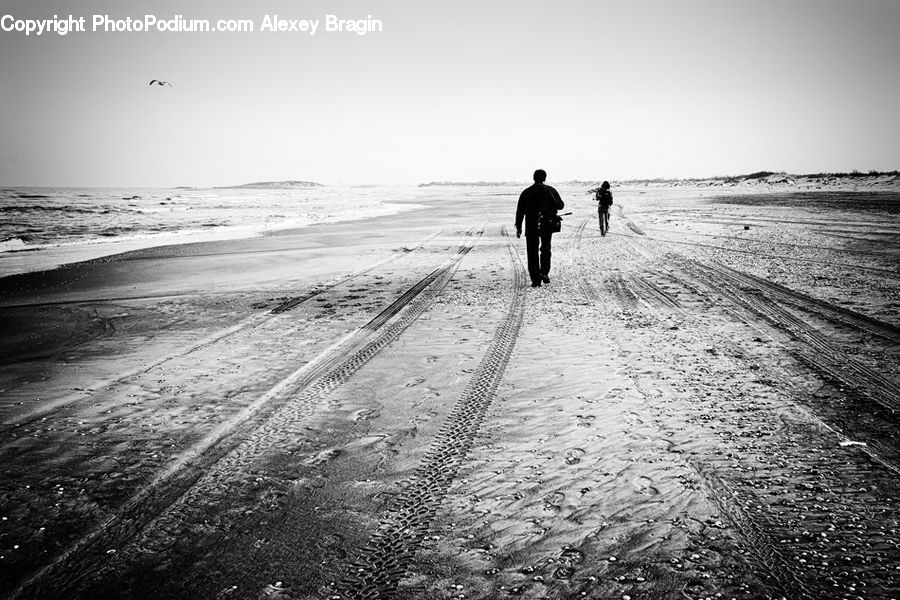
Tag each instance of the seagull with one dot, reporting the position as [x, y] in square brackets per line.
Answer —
[159, 82]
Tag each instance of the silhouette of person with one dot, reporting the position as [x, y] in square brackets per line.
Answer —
[604, 201]
[538, 205]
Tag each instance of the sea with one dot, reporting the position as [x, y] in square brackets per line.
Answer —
[42, 228]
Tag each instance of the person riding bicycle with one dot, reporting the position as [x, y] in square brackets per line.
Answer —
[604, 201]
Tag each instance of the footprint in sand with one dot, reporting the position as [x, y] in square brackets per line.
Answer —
[585, 420]
[553, 502]
[644, 485]
[568, 560]
[632, 418]
[415, 382]
[431, 359]
[573, 455]
[364, 414]
[323, 457]
[571, 556]
[667, 445]
[274, 590]
[333, 545]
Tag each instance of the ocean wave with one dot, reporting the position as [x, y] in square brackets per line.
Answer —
[71, 224]
[48, 208]
[16, 244]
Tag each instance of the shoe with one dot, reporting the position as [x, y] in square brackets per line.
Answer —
[545, 279]
[535, 284]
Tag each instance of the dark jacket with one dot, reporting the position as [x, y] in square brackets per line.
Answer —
[604, 199]
[534, 200]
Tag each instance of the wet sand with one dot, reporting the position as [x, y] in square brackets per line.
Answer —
[700, 404]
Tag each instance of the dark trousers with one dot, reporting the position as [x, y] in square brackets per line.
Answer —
[538, 249]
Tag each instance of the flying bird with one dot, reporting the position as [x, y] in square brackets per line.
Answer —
[160, 82]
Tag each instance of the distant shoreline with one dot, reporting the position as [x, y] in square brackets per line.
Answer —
[270, 185]
[772, 177]
[759, 177]
[756, 177]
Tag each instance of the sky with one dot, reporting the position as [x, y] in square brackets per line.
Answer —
[462, 91]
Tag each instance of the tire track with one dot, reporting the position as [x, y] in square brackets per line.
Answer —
[879, 227]
[198, 473]
[831, 263]
[844, 316]
[762, 242]
[620, 290]
[767, 538]
[295, 302]
[677, 287]
[887, 238]
[764, 557]
[634, 227]
[649, 293]
[814, 348]
[249, 323]
[770, 563]
[577, 261]
[628, 222]
[386, 557]
[578, 235]
[614, 281]
[748, 294]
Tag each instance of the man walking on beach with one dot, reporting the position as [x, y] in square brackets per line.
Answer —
[538, 205]
[604, 201]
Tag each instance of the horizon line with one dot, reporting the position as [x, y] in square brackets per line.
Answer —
[755, 174]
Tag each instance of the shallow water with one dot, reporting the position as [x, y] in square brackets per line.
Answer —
[44, 227]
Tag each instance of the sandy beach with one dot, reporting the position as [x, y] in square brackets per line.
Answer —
[701, 404]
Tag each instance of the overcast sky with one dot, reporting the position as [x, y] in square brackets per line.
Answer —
[464, 90]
